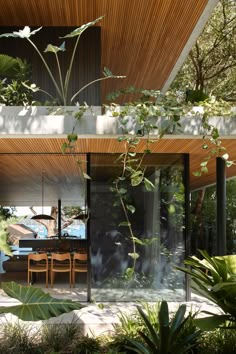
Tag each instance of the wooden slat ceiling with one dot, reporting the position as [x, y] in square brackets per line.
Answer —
[25, 163]
[141, 39]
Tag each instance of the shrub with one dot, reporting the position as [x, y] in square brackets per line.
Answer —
[19, 338]
[220, 341]
[86, 345]
[177, 335]
[59, 337]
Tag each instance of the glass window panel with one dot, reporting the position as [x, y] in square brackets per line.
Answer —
[157, 225]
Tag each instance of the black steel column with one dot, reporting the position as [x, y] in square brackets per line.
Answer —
[59, 218]
[187, 238]
[221, 206]
[88, 231]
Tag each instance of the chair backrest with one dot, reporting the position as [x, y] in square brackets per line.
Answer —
[80, 260]
[37, 258]
[60, 257]
[83, 257]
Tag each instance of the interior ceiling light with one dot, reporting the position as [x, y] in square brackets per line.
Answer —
[42, 216]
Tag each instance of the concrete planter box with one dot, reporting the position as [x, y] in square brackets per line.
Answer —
[37, 120]
[53, 121]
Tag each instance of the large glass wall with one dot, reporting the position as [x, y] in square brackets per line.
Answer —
[25, 189]
[136, 259]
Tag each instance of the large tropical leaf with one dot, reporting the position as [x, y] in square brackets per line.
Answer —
[210, 323]
[54, 49]
[215, 279]
[78, 31]
[8, 66]
[35, 304]
[25, 33]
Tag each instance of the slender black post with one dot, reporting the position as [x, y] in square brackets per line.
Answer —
[88, 231]
[221, 206]
[187, 222]
[59, 218]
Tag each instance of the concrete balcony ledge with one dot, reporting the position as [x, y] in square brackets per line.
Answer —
[60, 121]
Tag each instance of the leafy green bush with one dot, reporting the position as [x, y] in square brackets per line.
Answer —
[15, 87]
[86, 345]
[18, 339]
[177, 335]
[59, 337]
[129, 327]
[220, 341]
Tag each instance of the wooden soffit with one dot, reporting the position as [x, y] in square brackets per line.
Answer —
[141, 39]
[21, 157]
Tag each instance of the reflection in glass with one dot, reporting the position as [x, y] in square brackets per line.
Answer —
[158, 225]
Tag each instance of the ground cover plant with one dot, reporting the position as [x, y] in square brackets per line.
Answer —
[148, 328]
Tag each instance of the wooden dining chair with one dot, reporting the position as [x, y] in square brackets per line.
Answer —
[37, 263]
[60, 263]
[79, 265]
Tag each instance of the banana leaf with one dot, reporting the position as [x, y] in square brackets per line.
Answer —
[35, 304]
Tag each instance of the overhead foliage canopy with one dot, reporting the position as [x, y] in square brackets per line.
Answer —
[211, 64]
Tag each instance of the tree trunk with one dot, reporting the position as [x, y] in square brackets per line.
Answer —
[52, 224]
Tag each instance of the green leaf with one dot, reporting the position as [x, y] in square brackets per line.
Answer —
[64, 147]
[204, 163]
[230, 163]
[3, 244]
[133, 255]
[124, 223]
[136, 178]
[154, 337]
[54, 49]
[8, 66]
[225, 156]
[148, 185]
[78, 31]
[212, 322]
[31, 87]
[107, 73]
[171, 209]
[129, 272]
[72, 138]
[101, 306]
[178, 319]
[36, 304]
[130, 208]
[204, 169]
[197, 173]
[122, 191]
[137, 240]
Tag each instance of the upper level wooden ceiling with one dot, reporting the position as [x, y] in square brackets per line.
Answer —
[141, 39]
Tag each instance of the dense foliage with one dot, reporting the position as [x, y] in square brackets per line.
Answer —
[210, 67]
[203, 219]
